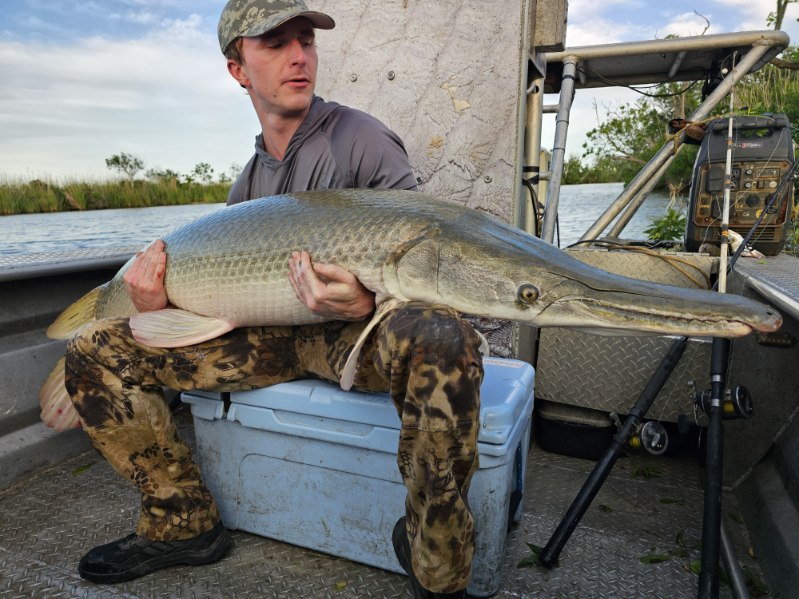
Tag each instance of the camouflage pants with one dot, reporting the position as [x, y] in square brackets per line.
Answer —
[425, 356]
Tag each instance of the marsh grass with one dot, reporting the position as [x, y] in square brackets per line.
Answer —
[29, 197]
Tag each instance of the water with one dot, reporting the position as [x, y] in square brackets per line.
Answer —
[68, 231]
[581, 205]
[57, 232]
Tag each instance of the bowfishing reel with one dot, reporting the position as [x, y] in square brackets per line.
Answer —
[737, 403]
[652, 437]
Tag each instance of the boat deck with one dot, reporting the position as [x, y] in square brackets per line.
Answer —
[649, 506]
[776, 278]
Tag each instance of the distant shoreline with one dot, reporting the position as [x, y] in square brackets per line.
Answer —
[39, 196]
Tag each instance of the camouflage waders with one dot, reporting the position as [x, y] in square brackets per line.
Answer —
[426, 357]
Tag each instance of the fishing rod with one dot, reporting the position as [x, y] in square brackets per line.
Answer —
[719, 356]
[549, 555]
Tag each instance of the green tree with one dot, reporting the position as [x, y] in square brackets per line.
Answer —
[775, 87]
[633, 133]
[774, 19]
[202, 173]
[167, 176]
[127, 164]
[230, 174]
[573, 171]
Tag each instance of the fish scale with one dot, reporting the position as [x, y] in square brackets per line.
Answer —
[247, 254]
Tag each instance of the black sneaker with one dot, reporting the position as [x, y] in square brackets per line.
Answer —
[402, 548]
[136, 556]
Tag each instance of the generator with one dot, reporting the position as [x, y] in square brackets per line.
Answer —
[762, 157]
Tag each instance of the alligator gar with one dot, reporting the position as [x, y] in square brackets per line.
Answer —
[229, 269]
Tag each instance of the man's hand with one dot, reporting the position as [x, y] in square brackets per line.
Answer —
[329, 290]
[144, 280]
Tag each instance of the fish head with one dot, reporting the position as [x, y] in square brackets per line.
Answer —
[485, 268]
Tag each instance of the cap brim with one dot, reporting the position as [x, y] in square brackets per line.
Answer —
[319, 20]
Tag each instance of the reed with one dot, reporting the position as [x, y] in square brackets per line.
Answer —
[29, 197]
[771, 89]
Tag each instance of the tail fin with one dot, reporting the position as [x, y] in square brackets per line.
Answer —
[57, 409]
[75, 316]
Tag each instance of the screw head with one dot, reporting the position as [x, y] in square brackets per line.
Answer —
[354, 77]
[391, 75]
[488, 179]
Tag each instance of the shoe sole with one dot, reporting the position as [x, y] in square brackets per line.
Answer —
[402, 549]
[213, 553]
[399, 539]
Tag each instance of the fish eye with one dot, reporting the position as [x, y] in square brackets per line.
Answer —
[527, 293]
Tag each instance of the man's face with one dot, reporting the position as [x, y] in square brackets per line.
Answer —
[279, 68]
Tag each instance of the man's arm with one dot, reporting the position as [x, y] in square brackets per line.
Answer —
[372, 156]
[329, 290]
[144, 280]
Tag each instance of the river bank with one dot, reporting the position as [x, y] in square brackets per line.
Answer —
[38, 196]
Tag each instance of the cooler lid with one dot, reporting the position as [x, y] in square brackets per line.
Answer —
[504, 395]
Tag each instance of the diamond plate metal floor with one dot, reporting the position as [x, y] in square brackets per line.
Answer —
[776, 278]
[48, 521]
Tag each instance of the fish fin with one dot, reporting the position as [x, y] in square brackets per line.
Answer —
[75, 316]
[176, 328]
[484, 348]
[57, 410]
[348, 372]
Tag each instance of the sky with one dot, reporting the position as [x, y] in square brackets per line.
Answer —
[83, 80]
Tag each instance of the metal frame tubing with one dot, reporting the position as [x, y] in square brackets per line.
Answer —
[667, 151]
[736, 576]
[640, 198]
[559, 148]
[532, 151]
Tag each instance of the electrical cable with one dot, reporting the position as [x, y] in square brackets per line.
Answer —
[535, 205]
[675, 262]
[637, 90]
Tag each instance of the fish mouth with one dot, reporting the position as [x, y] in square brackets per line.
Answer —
[613, 317]
[604, 315]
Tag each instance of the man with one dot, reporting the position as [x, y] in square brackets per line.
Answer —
[425, 356]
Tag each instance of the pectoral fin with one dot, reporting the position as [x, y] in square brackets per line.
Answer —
[176, 328]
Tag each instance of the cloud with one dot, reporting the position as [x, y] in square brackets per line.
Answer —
[591, 22]
[690, 24]
[141, 17]
[165, 97]
[752, 14]
[65, 8]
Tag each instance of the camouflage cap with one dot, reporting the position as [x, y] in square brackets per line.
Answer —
[246, 18]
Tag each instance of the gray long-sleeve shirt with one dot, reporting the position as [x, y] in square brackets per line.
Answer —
[334, 147]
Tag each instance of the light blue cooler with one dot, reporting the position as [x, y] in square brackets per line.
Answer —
[309, 464]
